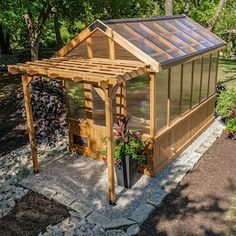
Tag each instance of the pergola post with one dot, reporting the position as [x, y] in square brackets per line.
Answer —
[30, 123]
[110, 158]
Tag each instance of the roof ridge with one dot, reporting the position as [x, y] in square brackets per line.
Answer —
[124, 20]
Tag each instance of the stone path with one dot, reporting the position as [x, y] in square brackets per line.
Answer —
[81, 184]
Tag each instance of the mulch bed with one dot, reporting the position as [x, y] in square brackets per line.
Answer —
[32, 215]
[199, 204]
[13, 131]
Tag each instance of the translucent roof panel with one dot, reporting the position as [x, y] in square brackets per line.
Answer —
[167, 39]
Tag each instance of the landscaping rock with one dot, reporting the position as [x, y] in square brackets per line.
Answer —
[117, 223]
[133, 229]
[80, 208]
[98, 218]
[141, 213]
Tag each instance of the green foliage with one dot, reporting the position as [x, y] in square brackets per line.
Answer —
[74, 15]
[126, 143]
[226, 107]
[133, 147]
[231, 125]
[226, 104]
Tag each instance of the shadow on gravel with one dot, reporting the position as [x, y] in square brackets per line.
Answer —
[13, 132]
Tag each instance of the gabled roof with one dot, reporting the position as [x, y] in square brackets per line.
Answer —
[156, 41]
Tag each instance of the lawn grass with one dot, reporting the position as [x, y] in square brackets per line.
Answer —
[227, 72]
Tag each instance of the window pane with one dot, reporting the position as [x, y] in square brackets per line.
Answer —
[99, 116]
[196, 81]
[186, 91]
[76, 100]
[161, 99]
[175, 91]
[213, 73]
[205, 77]
[138, 103]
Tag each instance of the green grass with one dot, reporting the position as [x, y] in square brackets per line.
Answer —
[227, 73]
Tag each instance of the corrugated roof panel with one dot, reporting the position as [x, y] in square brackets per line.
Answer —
[167, 39]
[141, 42]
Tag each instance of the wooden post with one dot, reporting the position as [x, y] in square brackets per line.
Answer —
[110, 158]
[200, 91]
[181, 88]
[112, 54]
[168, 100]
[209, 76]
[152, 78]
[26, 81]
[192, 82]
[89, 47]
[217, 66]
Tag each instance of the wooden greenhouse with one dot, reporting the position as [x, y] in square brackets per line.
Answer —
[160, 71]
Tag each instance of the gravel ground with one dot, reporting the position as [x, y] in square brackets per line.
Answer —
[85, 179]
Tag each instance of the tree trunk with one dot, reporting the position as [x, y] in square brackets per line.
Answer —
[216, 17]
[7, 41]
[3, 45]
[34, 48]
[35, 29]
[169, 7]
[59, 43]
[186, 9]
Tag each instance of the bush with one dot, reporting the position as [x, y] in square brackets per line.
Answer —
[48, 108]
[226, 108]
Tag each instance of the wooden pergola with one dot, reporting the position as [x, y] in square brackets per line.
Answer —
[104, 75]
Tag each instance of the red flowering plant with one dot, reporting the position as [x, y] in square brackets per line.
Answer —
[127, 143]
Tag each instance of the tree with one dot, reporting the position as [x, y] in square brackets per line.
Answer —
[216, 17]
[35, 23]
[169, 7]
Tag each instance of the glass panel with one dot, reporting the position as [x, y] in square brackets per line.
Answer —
[205, 74]
[99, 116]
[186, 91]
[138, 103]
[196, 81]
[76, 100]
[213, 73]
[161, 99]
[175, 91]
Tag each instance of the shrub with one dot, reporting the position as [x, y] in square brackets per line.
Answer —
[226, 108]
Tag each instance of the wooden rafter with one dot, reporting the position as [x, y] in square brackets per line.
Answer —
[78, 69]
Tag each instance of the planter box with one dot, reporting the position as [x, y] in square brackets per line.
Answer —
[127, 173]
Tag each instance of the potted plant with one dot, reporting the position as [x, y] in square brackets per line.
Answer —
[129, 152]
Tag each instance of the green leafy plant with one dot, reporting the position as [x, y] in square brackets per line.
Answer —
[126, 143]
[226, 108]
